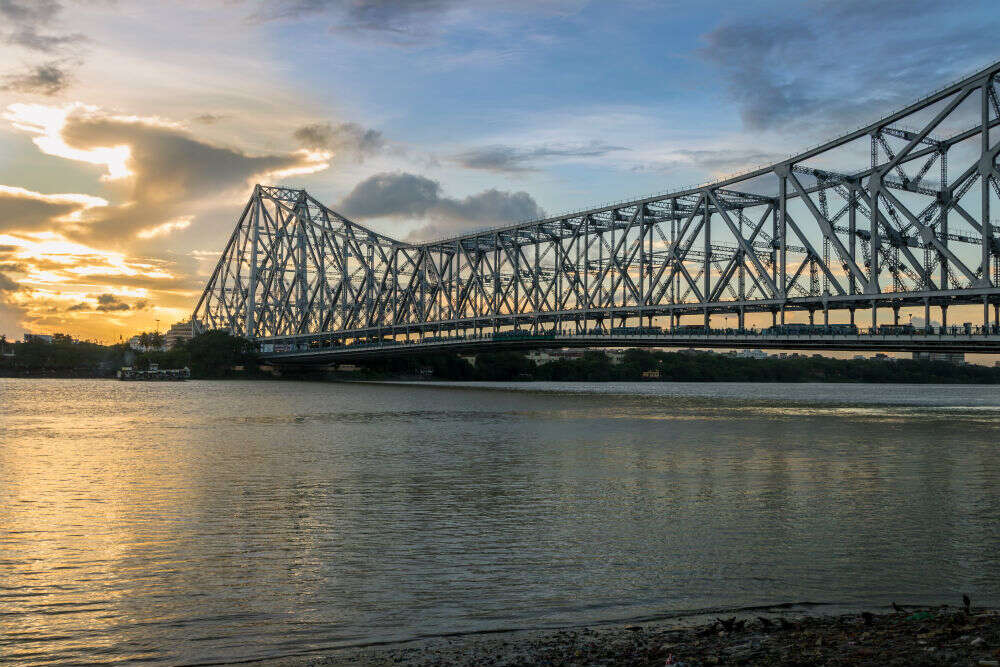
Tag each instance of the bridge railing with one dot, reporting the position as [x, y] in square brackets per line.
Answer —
[821, 332]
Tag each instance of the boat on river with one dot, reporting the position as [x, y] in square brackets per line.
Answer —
[154, 372]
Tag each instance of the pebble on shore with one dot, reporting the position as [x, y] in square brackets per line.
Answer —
[911, 637]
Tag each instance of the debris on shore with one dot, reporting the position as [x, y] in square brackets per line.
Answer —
[910, 636]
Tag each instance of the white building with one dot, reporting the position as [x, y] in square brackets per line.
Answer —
[548, 355]
[949, 357]
[178, 332]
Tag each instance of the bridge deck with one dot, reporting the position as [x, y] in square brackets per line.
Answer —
[302, 353]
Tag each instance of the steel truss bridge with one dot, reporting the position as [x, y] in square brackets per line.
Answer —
[892, 216]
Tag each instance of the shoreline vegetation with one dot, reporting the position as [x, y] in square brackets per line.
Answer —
[912, 636]
[682, 366]
[211, 355]
[219, 355]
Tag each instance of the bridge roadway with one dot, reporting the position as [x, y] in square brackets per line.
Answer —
[300, 352]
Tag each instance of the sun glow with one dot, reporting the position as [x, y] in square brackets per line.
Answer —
[166, 228]
[47, 124]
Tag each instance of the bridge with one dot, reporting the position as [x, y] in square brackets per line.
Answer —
[887, 221]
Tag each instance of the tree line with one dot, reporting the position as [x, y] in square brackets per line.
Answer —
[208, 355]
[596, 366]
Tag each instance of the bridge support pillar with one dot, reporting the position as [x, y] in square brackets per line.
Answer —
[812, 316]
[927, 315]
[742, 318]
[895, 315]
[774, 318]
[996, 315]
[826, 315]
[944, 316]
[852, 316]
[986, 314]
[874, 315]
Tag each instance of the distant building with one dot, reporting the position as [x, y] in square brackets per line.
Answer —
[351, 368]
[616, 356]
[41, 338]
[948, 357]
[651, 375]
[545, 356]
[178, 333]
[752, 354]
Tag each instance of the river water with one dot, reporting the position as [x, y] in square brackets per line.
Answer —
[209, 521]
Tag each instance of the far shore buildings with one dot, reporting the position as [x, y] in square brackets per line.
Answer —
[178, 333]
[949, 357]
[545, 356]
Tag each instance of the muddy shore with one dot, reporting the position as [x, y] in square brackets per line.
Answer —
[911, 636]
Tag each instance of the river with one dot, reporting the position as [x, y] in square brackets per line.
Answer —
[180, 523]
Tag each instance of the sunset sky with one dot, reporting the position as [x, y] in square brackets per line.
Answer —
[132, 132]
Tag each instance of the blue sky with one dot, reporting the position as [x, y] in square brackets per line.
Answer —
[132, 131]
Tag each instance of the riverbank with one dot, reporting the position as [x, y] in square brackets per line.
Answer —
[911, 636]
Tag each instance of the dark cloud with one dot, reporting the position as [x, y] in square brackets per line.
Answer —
[343, 139]
[409, 195]
[30, 38]
[837, 61]
[397, 16]
[29, 12]
[48, 79]
[396, 22]
[170, 170]
[11, 312]
[26, 17]
[109, 303]
[515, 159]
[208, 118]
[25, 211]
[8, 285]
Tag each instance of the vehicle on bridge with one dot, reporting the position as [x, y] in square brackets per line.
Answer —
[801, 329]
[896, 330]
[637, 331]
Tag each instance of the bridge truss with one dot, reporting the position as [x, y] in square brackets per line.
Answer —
[894, 215]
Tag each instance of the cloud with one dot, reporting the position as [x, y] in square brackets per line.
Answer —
[837, 62]
[407, 195]
[8, 285]
[106, 303]
[11, 312]
[514, 159]
[413, 23]
[48, 79]
[343, 140]
[161, 168]
[109, 303]
[718, 163]
[30, 38]
[406, 18]
[166, 228]
[27, 16]
[208, 118]
[26, 210]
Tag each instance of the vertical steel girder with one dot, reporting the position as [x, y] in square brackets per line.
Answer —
[886, 235]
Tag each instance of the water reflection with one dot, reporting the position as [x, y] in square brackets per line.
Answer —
[209, 521]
